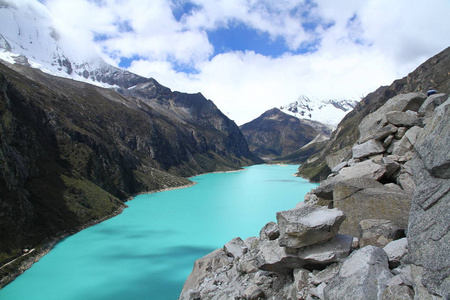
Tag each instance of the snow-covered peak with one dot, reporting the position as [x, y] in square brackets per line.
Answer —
[329, 112]
[27, 36]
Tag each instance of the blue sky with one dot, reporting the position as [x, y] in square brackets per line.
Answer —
[251, 55]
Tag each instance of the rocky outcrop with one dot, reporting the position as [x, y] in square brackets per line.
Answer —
[276, 133]
[433, 72]
[401, 188]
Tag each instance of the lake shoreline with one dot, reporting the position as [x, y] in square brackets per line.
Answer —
[20, 264]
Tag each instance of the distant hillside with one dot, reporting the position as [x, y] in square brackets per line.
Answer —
[275, 133]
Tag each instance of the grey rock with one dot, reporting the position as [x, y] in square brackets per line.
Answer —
[391, 166]
[349, 187]
[269, 231]
[338, 157]
[373, 203]
[378, 232]
[310, 199]
[432, 144]
[388, 140]
[271, 257]
[398, 118]
[413, 133]
[203, 268]
[362, 276]
[400, 132]
[325, 275]
[365, 169]
[339, 167]
[393, 186]
[429, 230]
[235, 248]
[406, 181]
[395, 251]
[373, 122]
[254, 292]
[308, 225]
[368, 148]
[385, 131]
[400, 147]
[431, 103]
[398, 292]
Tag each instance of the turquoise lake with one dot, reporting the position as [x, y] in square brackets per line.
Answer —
[148, 251]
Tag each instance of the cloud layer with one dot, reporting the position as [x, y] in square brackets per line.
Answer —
[333, 49]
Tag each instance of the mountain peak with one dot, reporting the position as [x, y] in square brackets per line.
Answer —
[329, 112]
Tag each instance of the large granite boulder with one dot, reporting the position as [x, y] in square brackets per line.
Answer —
[395, 251]
[368, 148]
[370, 203]
[373, 122]
[365, 169]
[204, 268]
[362, 276]
[429, 231]
[431, 103]
[433, 143]
[272, 257]
[308, 225]
[378, 233]
[408, 118]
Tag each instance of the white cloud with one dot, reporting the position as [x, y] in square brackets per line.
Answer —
[370, 43]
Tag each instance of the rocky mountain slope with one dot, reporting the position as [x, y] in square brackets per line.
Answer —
[275, 133]
[433, 72]
[377, 228]
[329, 112]
[71, 152]
[347, 240]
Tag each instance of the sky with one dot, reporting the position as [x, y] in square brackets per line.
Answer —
[252, 55]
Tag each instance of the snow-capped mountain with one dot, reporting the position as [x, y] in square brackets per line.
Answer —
[329, 112]
[28, 37]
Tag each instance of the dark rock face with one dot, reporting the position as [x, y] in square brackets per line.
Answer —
[71, 153]
[275, 133]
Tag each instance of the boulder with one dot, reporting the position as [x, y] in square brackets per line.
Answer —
[400, 132]
[395, 251]
[203, 268]
[406, 181]
[398, 118]
[254, 292]
[348, 187]
[391, 166]
[338, 157]
[398, 292]
[429, 230]
[269, 231]
[400, 147]
[365, 169]
[235, 248]
[413, 133]
[271, 257]
[362, 276]
[388, 140]
[378, 232]
[373, 122]
[367, 149]
[373, 203]
[325, 275]
[431, 103]
[385, 131]
[308, 225]
[339, 167]
[433, 143]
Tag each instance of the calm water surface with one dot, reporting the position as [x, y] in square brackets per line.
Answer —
[148, 251]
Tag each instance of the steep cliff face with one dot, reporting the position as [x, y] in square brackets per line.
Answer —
[432, 73]
[71, 153]
[276, 133]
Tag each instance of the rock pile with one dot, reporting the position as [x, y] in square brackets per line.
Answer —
[347, 240]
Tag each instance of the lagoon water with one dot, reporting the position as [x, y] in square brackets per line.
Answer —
[148, 251]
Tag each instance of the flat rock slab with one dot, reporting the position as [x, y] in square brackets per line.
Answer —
[373, 203]
[408, 118]
[368, 148]
[308, 225]
[365, 169]
[271, 257]
[362, 276]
